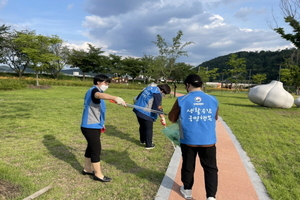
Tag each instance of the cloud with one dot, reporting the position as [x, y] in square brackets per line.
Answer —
[247, 13]
[106, 8]
[127, 28]
[83, 46]
[70, 6]
[243, 13]
[133, 31]
[3, 3]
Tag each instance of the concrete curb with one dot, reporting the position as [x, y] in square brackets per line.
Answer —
[168, 180]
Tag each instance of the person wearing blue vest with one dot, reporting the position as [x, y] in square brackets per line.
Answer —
[196, 114]
[93, 124]
[150, 97]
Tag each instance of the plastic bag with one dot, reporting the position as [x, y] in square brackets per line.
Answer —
[172, 132]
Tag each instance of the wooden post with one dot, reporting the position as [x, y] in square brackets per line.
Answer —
[38, 193]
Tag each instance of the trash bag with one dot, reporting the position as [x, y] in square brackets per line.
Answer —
[172, 132]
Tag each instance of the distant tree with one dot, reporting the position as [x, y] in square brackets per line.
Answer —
[290, 74]
[179, 73]
[147, 66]
[132, 66]
[207, 75]
[3, 30]
[295, 74]
[213, 74]
[155, 70]
[37, 48]
[290, 9]
[113, 65]
[262, 62]
[62, 52]
[259, 78]
[164, 64]
[202, 72]
[238, 68]
[76, 60]
[285, 75]
[13, 56]
[87, 61]
[169, 53]
[96, 59]
[3, 36]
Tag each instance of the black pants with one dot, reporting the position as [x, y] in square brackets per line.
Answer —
[93, 149]
[146, 131]
[208, 162]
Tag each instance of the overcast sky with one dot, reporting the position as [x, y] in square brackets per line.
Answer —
[128, 27]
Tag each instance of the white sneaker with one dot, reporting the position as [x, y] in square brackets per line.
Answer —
[211, 198]
[186, 193]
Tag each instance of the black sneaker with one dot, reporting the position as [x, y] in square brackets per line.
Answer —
[150, 147]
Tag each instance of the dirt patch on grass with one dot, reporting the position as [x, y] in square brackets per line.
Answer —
[39, 87]
[9, 190]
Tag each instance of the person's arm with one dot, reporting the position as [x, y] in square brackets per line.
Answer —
[105, 96]
[217, 114]
[157, 99]
[174, 113]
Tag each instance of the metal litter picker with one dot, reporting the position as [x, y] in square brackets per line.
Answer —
[142, 108]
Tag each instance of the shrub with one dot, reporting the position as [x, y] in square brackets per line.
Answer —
[12, 84]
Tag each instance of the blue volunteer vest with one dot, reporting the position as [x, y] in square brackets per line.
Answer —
[93, 115]
[145, 100]
[197, 123]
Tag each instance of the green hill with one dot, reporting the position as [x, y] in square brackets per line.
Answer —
[263, 62]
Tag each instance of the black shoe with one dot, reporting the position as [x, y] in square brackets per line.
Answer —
[105, 179]
[86, 173]
[150, 147]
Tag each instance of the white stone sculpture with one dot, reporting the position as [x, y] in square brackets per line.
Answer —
[271, 95]
[297, 102]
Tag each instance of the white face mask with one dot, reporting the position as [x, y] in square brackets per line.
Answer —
[103, 87]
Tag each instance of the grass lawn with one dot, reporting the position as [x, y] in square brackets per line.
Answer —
[271, 138]
[41, 144]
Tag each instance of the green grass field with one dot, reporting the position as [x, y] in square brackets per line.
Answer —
[41, 144]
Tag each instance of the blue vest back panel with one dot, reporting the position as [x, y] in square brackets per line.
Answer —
[197, 118]
[146, 100]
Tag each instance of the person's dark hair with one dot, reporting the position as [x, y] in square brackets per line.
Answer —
[193, 79]
[101, 78]
[165, 88]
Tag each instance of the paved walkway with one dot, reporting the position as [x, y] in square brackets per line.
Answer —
[237, 177]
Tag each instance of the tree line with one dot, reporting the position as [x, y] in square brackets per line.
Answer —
[262, 62]
[22, 49]
[50, 54]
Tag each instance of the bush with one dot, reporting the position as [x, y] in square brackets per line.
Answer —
[12, 84]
